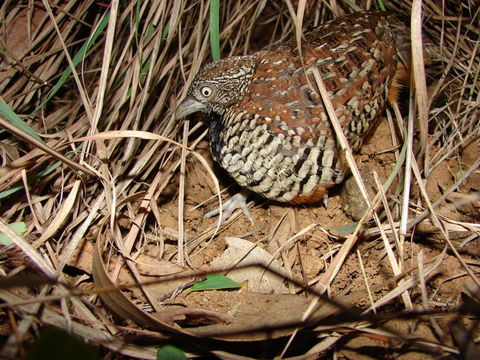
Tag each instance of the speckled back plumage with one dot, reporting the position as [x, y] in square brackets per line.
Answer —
[270, 131]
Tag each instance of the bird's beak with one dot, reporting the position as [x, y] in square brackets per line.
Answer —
[187, 107]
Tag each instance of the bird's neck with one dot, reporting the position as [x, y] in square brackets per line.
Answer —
[222, 119]
[217, 132]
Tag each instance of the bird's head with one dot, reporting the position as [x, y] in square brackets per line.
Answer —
[218, 85]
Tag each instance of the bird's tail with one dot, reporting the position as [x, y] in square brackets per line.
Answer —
[403, 73]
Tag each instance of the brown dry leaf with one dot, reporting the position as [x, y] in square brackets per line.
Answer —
[471, 289]
[148, 265]
[196, 317]
[17, 42]
[243, 253]
[264, 316]
[82, 257]
[62, 214]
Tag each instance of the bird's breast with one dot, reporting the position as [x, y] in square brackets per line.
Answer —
[274, 164]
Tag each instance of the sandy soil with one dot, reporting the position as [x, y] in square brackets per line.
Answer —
[306, 257]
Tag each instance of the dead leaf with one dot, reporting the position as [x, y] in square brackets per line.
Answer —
[243, 252]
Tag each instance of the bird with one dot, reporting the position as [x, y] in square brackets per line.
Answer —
[268, 128]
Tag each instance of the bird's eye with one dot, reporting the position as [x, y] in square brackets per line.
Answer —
[206, 91]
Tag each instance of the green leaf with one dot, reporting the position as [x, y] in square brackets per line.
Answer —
[215, 282]
[11, 116]
[215, 29]
[170, 352]
[18, 227]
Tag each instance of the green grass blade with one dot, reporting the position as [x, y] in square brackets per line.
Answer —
[78, 57]
[18, 227]
[151, 30]
[215, 29]
[381, 5]
[10, 115]
[8, 192]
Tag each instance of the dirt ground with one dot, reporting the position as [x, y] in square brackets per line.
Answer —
[306, 257]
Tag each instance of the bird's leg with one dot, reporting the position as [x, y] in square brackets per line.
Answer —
[237, 201]
[325, 200]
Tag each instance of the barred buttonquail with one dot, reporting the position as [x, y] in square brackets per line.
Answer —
[269, 129]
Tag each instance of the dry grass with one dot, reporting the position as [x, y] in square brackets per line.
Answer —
[98, 150]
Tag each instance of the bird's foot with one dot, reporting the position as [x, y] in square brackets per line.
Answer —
[238, 201]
